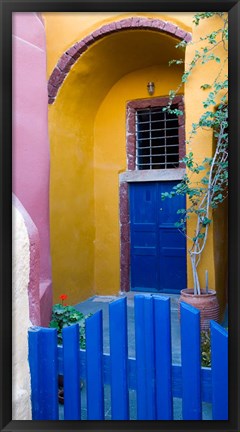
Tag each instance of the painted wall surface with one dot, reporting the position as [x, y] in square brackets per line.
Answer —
[34, 272]
[30, 137]
[87, 133]
[202, 146]
[71, 195]
[110, 161]
[76, 230]
[21, 406]
[220, 236]
[64, 29]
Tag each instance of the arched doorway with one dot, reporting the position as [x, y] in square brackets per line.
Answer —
[88, 146]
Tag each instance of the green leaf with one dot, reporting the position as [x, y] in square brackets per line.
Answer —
[206, 221]
[53, 324]
[59, 310]
[185, 77]
[205, 86]
[177, 62]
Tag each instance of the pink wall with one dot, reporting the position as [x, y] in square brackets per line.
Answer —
[30, 138]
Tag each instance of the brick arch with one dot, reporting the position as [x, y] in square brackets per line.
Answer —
[68, 59]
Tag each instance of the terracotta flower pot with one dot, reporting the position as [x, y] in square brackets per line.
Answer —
[207, 303]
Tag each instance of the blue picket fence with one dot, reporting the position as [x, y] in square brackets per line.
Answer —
[151, 374]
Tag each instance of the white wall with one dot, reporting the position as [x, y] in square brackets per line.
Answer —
[21, 405]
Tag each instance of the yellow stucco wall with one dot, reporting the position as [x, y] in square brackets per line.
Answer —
[110, 160]
[202, 146]
[88, 141]
[71, 200]
[64, 29]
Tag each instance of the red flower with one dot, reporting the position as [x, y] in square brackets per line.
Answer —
[63, 297]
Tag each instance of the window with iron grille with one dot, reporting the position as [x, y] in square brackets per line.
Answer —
[157, 139]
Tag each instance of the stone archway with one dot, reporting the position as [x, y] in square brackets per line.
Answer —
[70, 56]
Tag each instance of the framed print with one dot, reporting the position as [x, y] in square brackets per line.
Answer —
[119, 216]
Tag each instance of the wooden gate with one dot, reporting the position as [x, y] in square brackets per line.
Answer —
[151, 375]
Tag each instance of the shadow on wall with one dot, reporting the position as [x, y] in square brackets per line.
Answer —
[23, 246]
[32, 261]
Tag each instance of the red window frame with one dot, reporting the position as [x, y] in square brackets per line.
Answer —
[137, 104]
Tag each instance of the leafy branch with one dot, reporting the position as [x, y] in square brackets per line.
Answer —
[206, 194]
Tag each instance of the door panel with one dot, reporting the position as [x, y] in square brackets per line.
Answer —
[167, 214]
[158, 249]
[145, 276]
[143, 202]
[143, 236]
[172, 263]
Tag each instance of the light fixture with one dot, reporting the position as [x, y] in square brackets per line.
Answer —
[151, 87]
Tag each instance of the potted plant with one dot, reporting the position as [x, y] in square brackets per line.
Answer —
[64, 315]
[206, 348]
[205, 183]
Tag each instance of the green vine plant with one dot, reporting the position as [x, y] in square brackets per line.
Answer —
[211, 187]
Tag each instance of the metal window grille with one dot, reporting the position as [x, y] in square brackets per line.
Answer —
[157, 139]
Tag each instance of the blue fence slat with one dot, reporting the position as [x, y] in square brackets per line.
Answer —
[119, 359]
[72, 398]
[206, 375]
[163, 359]
[94, 367]
[34, 360]
[43, 367]
[219, 361]
[149, 358]
[191, 363]
[156, 381]
[140, 357]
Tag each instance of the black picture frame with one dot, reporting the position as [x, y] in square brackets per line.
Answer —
[7, 7]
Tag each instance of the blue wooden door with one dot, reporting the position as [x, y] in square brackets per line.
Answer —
[158, 248]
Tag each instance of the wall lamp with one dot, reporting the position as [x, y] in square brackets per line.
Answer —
[151, 87]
